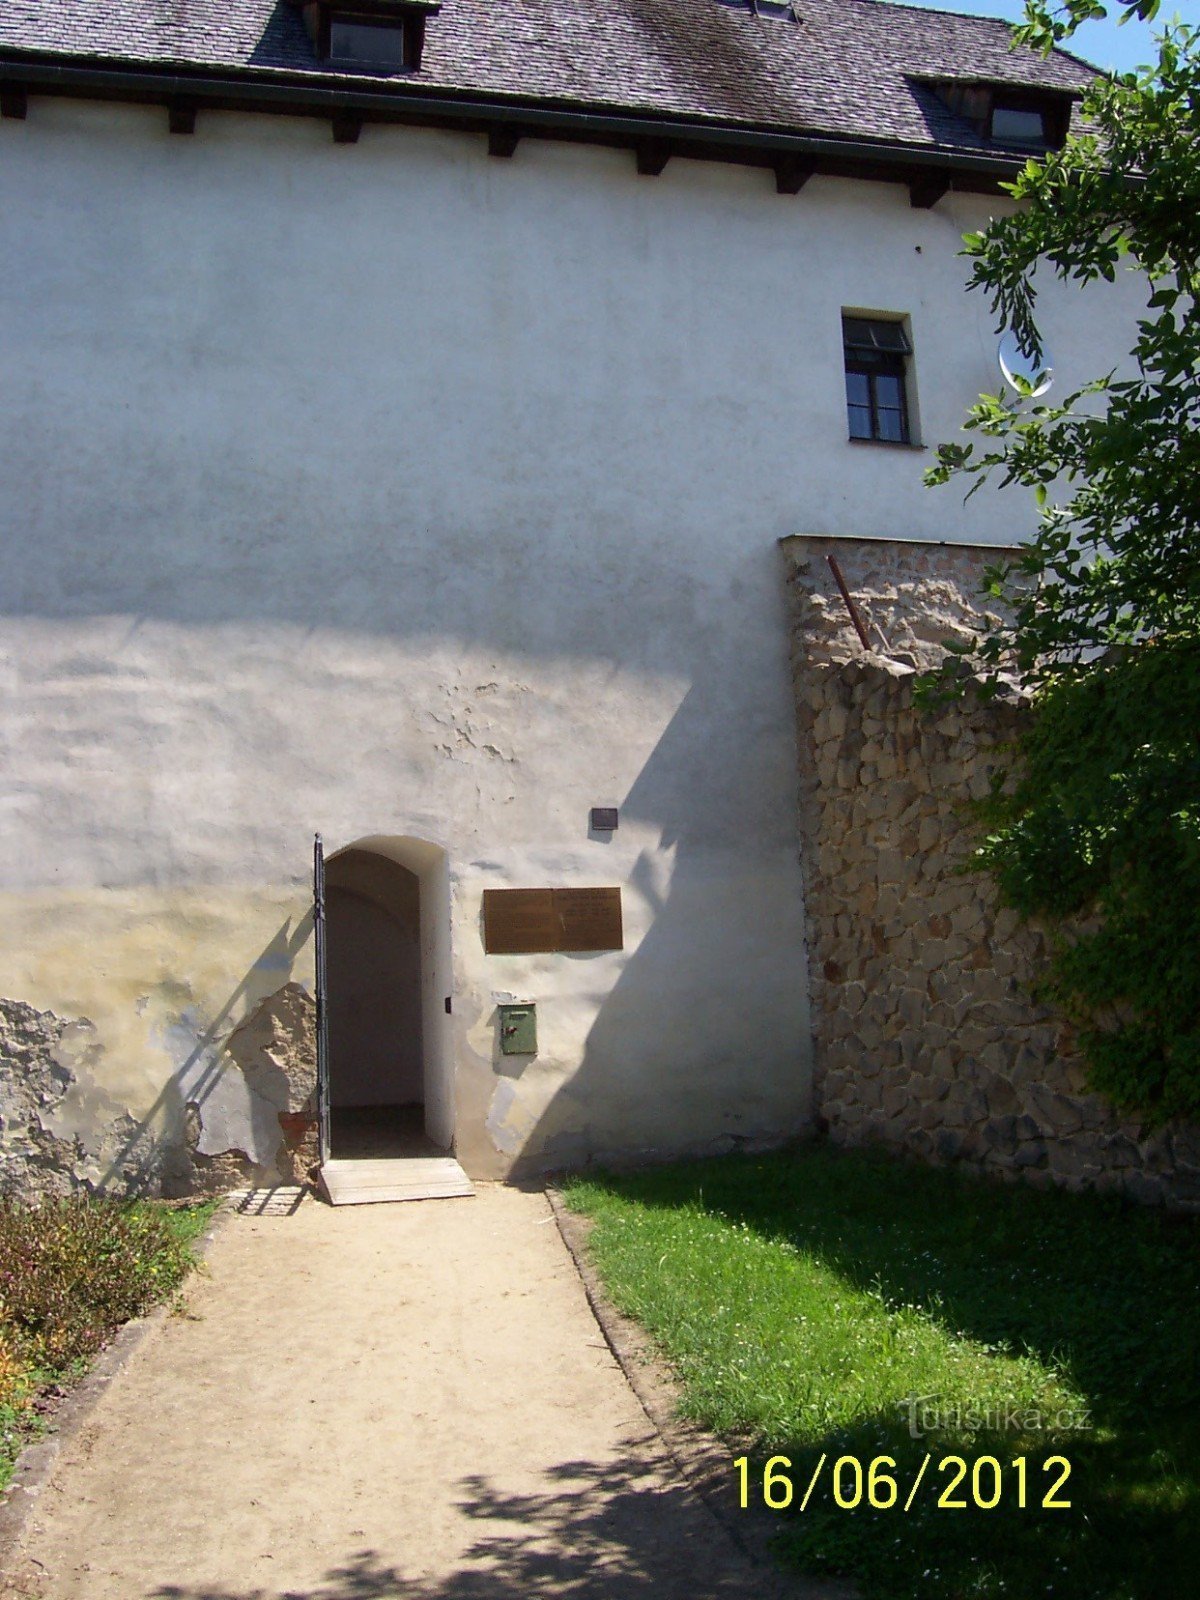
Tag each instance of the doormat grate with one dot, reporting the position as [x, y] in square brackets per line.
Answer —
[280, 1201]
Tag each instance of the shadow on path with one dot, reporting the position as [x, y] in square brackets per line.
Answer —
[611, 1532]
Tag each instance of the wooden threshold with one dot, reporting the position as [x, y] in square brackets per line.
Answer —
[362, 1183]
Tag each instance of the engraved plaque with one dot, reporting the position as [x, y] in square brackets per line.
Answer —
[535, 921]
[590, 919]
[518, 922]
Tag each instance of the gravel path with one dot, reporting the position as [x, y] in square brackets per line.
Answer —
[394, 1401]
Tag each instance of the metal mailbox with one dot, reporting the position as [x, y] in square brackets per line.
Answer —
[518, 1030]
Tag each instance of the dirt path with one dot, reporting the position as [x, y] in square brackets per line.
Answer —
[381, 1401]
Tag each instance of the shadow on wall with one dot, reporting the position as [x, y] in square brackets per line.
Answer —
[198, 616]
[181, 1142]
[701, 1044]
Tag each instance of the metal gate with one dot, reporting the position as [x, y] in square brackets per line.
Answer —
[322, 1003]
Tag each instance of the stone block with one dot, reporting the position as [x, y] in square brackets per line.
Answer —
[913, 1007]
[965, 1104]
[1121, 1151]
[895, 1100]
[1055, 1113]
[1000, 1135]
[1002, 1099]
[1148, 1189]
[891, 867]
[948, 1143]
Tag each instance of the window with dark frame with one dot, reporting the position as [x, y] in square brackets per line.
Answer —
[374, 37]
[1018, 124]
[876, 353]
[1015, 117]
[368, 41]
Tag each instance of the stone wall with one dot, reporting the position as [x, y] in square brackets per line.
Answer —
[925, 1036]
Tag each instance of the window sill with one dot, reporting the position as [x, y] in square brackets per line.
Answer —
[891, 444]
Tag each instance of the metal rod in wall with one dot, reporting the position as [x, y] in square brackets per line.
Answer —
[855, 617]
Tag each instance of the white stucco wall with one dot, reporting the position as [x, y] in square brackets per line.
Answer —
[393, 490]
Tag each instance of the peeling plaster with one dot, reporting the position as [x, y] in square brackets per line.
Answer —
[162, 978]
[156, 1092]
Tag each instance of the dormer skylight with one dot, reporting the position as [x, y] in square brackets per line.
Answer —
[379, 37]
[1024, 125]
[1015, 118]
[779, 10]
[367, 41]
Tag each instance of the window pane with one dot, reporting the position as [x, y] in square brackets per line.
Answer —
[1013, 126]
[856, 333]
[889, 336]
[858, 389]
[860, 422]
[860, 335]
[889, 391]
[359, 41]
[891, 425]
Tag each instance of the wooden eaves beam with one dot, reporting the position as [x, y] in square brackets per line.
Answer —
[928, 176]
[925, 192]
[503, 139]
[792, 173]
[652, 156]
[181, 116]
[346, 127]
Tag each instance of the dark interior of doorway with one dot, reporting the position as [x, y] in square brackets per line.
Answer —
[376, 1064]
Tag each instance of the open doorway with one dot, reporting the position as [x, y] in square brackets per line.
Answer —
[385, 959]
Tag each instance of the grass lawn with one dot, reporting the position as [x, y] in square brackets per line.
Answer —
[70, 1274]
[806, 1298]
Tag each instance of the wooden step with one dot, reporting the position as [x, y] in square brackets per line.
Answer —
[364, 1183]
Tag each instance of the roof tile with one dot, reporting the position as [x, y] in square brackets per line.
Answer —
[846, 68]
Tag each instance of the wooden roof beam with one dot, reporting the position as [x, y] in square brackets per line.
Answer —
[792, 173]
[181, 116]
[652, 156]
[503, 140]
[346, 127]
[925, 192]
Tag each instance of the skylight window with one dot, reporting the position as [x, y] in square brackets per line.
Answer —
[1018, 124]
[1016, 116]
[780, 10]
[377, 37]
[366, 42]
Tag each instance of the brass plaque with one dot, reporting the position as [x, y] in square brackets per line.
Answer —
[590, 919]
[535, 921]
[519, 922]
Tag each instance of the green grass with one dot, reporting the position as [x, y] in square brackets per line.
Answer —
[70, 1274]
[804, 1297]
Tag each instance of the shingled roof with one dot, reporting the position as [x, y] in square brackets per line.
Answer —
[842, 70]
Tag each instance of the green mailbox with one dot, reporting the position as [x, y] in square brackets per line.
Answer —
[518, 1030]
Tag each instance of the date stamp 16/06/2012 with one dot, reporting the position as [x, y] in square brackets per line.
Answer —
[956, 1484]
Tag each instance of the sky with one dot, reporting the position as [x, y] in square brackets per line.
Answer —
[1105, 44]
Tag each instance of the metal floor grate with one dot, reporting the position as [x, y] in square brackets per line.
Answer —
[280, 1201]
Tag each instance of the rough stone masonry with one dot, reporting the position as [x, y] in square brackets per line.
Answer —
[925, 1033]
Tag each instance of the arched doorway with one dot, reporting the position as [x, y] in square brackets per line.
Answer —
[387, 988]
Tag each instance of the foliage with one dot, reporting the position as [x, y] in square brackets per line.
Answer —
[71, 1272]
[804, 1297]
[1048, 24]
[1101, 834]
